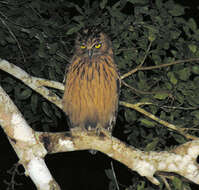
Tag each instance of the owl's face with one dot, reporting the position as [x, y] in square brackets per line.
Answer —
[91, 43]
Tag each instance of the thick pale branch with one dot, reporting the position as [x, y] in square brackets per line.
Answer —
[22, 138]
[38, 84]
[35, 83]
[181, 160]
[30, 146]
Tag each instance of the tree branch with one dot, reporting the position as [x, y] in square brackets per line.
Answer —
[157, 66]
[23, 140]
[181, 160]
[38, 84]
[33, 146]
[153, 117]
[35, 83]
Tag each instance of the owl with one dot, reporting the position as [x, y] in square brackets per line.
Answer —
[92, 83]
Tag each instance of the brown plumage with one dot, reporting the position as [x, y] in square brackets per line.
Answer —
[92, 83]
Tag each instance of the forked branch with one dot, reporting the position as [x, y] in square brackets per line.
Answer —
[33, 146]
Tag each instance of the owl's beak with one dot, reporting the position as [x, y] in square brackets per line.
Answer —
[90, 53]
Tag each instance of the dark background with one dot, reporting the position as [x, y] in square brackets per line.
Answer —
[75, 170]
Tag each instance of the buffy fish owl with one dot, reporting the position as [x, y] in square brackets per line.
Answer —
[92, 83]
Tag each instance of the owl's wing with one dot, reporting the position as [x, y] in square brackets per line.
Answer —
[112, 120]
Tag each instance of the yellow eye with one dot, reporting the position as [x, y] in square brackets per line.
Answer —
[82, 46]
[98, 46]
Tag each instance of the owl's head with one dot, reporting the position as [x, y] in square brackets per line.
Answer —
[92, 42]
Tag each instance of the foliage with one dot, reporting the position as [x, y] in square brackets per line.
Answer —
[38, 36]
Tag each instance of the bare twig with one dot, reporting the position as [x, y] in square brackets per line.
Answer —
[157, 66]
[165, 182]
[153, 117]
[114, 176]
[139, 66]
[179, 108]
[136, 90]
[146, 54]
[13, 171]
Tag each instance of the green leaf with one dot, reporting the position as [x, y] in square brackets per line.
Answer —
[141, 75]
[41, 51]
[117, 14]
[177, 183]
[47, 109]
[56, 111]
[78, 18]
[161, 95]
[175, 34]
[141, 186]
[152, 32]
[162, 115]
[172, 78]
[73, 30]
[195, 69]
[130, 115]
[138, 1]
[10, 40]
[116, 45]
[174, 52]
[9, 84]
[103, 4]
[193, 100]
[168, 85]
[196, 81]
[159, 4]
[184, 74]
[153, 109]
[151, 146]
[70, 4]
[34, 103]
[195, 114]
[179, 138]
[177, 10]
[192, 24]
[25, 94]
[180, 98]
[156, 58]
[147, 123]
[193, 48]
[51, 72]
[53, 48]
[152, 37]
